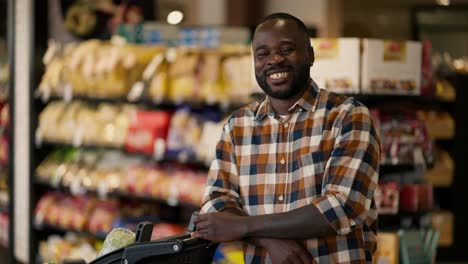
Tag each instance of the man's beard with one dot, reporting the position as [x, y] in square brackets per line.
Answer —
[297, 85]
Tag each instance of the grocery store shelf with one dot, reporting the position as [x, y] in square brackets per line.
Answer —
[118, 194]
[152, 104]
[164, 160]
[373, 99]
[405, 220]
[48, 228]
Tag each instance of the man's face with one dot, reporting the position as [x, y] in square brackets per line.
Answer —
[282, 58]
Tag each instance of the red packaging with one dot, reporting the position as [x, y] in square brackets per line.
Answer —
[148, 132]
[409, 198]
[425, 197]
[387, 198]
[165, 229]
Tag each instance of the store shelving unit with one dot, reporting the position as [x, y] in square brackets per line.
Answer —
[451, 197]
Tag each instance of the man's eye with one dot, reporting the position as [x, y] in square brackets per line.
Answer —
[286, 51]
[262, 55]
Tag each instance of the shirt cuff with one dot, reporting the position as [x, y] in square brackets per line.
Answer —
[331, 208]
[218, 205]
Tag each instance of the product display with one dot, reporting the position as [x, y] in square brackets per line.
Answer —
[89, 214]
[443, 221]
[403, 138]
[387, 248]
[98, 69]
[440, 125]
[113, 172]
[337, 64]
[142, 118]
[391, 67]
[69, 247]
[442, 172]
[387, 198]
[79, 123]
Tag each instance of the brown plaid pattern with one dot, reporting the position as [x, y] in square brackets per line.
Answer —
[325, 152]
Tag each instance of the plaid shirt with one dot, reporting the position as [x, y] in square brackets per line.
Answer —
[325, 153]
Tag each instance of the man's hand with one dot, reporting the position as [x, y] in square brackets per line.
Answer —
[220, 227]
[286, 251]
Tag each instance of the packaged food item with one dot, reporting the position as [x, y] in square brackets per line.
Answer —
[387, 198]
[69, 247]
[237, 73]
[391, 67]
[210, 136]
[440, 125]
[148, 132]
[212, 89]
[441, 174]
[443, 221]
[184, 84]
[337, 64]
[102, 216]
[387, 248]
[161, 230]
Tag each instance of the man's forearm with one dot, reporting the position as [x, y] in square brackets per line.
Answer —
[302, 223]
[258, 241]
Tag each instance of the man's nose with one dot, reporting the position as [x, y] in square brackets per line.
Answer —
[275, 58]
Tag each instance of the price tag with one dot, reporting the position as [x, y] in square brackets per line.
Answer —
[39, 219]
[136, 91]
[159, 148]
[103, 190]
[67, 93]
[77, 140]
[75, 187]
[210, 99]
[38, 137]
[418, 156]
[173, 200]
[45, 93]
[183, 157]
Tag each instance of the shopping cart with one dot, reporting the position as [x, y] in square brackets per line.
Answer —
[180, 248]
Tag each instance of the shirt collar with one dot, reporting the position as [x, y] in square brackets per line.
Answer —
[308, 102]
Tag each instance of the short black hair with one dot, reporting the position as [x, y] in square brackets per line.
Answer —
[300, 25]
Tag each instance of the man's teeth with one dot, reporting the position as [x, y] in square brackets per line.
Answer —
[278, 75]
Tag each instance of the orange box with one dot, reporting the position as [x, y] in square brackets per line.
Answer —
[443, 222]
[387, 248]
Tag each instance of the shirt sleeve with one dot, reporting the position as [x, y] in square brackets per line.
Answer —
[222, 188]
[351, 173]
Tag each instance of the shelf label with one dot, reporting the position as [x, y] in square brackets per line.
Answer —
[159, 148]
[172, 199]
[45, 93]
[103, 190]
[67, 93]
[38, 137]
[76, 188]
[77, 137]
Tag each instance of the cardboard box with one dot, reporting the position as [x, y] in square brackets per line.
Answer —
[387, 248]
[337, 64]
[391, 67]
[443, 222]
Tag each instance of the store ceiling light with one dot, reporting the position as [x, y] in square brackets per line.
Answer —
[175, 17]
[443, 2]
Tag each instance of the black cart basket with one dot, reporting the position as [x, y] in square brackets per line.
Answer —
[180, 248]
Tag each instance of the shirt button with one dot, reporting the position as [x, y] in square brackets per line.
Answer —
[286, 125]
[281, 198]
[282, 161]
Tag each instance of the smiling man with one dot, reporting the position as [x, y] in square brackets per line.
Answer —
[295, 174]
